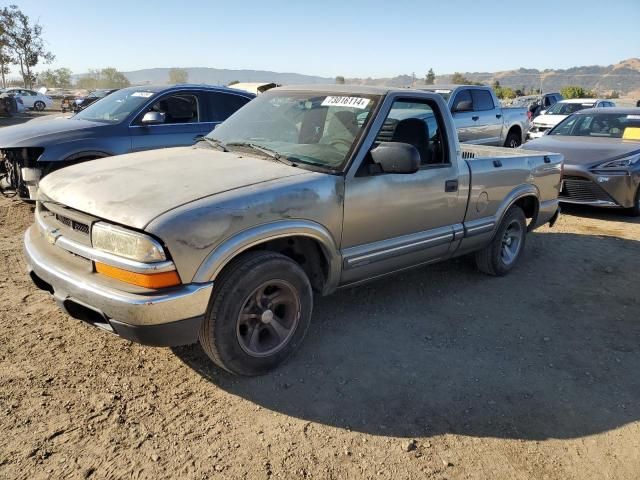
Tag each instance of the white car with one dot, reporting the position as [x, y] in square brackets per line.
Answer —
[559, 111]
[31, 99]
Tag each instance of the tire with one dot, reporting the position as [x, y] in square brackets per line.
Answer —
[635, 210]
[514, 140]
[494, 259]
[39, 106]
[243, 332]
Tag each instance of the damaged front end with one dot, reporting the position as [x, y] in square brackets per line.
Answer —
[20, 172]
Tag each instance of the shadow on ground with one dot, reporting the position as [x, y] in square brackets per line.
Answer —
[606, 214]
[550, 351]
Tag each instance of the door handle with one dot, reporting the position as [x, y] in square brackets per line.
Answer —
[497, 163]
[451, 186]
[547, 159]
[498, 115]
[475, 118]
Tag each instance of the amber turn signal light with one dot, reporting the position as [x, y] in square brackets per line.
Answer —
[146, 280]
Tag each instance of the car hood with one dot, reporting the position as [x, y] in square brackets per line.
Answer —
[548, 120]
[134, 189]
[37, 133]
[584, 150]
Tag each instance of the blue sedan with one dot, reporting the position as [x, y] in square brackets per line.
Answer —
[129, 120]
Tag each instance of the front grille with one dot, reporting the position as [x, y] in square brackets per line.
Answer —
[582, 190]
[73, 224]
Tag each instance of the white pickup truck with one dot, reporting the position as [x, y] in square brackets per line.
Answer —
[479, 117]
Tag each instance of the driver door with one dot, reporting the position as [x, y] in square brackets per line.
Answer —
[393, 221]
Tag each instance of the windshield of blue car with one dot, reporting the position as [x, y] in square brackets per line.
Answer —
[116, 107]
[315, 128]
[566, 108]
[608, 125]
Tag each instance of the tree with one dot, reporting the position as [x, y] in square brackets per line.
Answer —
[26, 43]
[458, 79]
[6, 57]
[112, 78]
[178, 75]
[430, 78]
[575, 92]
[60, 78]
[340, 80]
[105, 78]
[613, 95]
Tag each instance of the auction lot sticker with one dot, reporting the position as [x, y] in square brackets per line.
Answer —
[354, 102]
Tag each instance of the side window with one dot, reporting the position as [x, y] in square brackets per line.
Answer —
[179, 108]
[462, 102]
[547, 101]
[419, 124]
[223, 105]
[482, 100]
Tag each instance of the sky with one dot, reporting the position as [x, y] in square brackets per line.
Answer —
[354, 38]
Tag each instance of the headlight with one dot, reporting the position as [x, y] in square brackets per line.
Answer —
[621, 162]
[126, 243]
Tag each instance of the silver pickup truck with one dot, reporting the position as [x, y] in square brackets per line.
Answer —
[303, 190]
[480, 118]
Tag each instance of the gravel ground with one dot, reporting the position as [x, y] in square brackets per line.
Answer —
[437, 373]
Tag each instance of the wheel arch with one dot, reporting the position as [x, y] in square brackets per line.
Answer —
[308, 243]
[527, 197]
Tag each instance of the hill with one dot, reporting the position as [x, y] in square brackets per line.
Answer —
[623, 77]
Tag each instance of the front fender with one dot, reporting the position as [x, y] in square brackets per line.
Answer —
[242, 241]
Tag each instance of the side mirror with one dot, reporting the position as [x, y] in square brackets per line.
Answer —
[463, 106]
[395, 157]
[152, 118]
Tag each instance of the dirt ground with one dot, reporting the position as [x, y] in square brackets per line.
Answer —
[437, 373]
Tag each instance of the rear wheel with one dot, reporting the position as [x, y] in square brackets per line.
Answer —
[504, 251]
[39, 106]
[514, 140]
[259, 313]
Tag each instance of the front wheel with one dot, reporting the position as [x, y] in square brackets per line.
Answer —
[259, 313]
[39, 106]
[514, 140]
[635, 210]
[504, 251]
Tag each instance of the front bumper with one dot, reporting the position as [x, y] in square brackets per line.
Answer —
[601, 189]
[167, 317]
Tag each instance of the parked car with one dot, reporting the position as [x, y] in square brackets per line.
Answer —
[561, 110]
[69, 101]
[31, 99]
[304, 189]
[131, 119]
[92, 97]
[542, 102]
[479, 118]
[601, 149]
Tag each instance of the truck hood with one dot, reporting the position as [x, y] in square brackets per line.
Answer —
[584, 150]
[548, 120]
[134, 189]
[37, 133]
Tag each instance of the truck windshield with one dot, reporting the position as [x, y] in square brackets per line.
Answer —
[311, 128]
[116, 107]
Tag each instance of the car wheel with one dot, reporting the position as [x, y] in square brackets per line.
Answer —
[504, 251]
[514, 140]
[258, 315]
[635, 210]
[39, 106]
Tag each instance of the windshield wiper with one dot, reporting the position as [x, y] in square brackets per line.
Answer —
[266, 151]
[214, 143]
